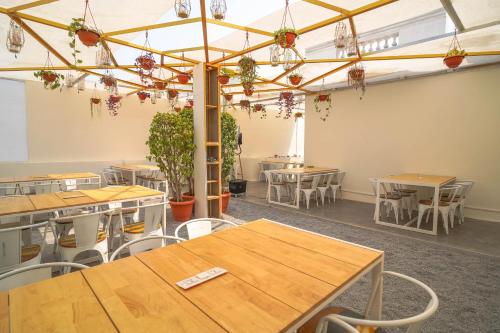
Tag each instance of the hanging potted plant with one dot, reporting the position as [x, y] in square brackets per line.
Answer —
[295, 78]
[113, 102]
[142, 96]
[323, 102]
[248, 91]
[15, 38]
[228, 97]
[356, 77]
[258, 107]
[49, 77]
[229, 143]
[224, 76]
[189, 103]
[298, 115]
[183, 78]
[285, 37]
[95, 105]
[182, 8]
[89, 36]
[109, 82]
[172, 94]
[248, 70]
[173, 132]
[160, 85]
[455, 54]
[145, 61]
[286, 103]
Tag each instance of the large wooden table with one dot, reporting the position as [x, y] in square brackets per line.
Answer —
[49, 202]
[91, 177]
[414, 179]
[278, 278]
[134, 168]
[299, 173]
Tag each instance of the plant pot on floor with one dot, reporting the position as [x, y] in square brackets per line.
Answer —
[237, 186]
[225, 200]
[182, 211]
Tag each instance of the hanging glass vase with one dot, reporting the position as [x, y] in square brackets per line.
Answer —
[274, 55]
[340, 35]
[352, 44]
[102, 57]
[15, 38]
[287, 59]
[218, 9]
[182, 8]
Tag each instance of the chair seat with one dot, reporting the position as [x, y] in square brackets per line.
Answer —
[390, 196]
[277, 183]
[428, 202]
[125, 211]
[70, 240]
[406, 190]
[135, 228]
[29, 252]
[120, 182]
[310, 326]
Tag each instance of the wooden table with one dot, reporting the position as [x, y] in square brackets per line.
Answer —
[134, 168]
[298, 173]
[414, 179]
[278, 278]
[49, 202]
[53, 177]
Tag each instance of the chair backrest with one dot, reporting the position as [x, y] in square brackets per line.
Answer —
[31, 274]
[153, 217]
[8, 190]
[45, 187]
[373, 183]
[201, 227]
[144, 244]
[86, 227]
[68, 185]
[11, 245]
[414, 322]
[316, 180]
[327, 180]
[450, 192]
[466, 187]
[339, 177]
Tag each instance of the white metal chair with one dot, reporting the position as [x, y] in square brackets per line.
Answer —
[46, 187]
[119, 217]
[388, 200]
[275, 183]
[201, 227]
[460, 199]
[135, 245]
[87, 235]
[408, 199]
[13, 253]
[324, 186]
[329, 320]
[309, 188]
[9, 190]
[68, 185]
[113, 177]
[150, 226]
[31, 274]
[337, 184]
[444, 207]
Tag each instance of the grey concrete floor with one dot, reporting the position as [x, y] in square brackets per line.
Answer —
[473, 235]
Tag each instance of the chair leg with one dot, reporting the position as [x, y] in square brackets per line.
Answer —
[421, 211]
[334, 191]
[445, 220]
[307, 198]
[428, 215]
[396, 213]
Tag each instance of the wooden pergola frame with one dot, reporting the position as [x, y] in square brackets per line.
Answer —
[16, 14]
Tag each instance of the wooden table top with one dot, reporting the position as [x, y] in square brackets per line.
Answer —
[136, 167]
[276, 276]
[306, 170]
[284, 160]
[418, 179]
[52, 176]
[61, 200]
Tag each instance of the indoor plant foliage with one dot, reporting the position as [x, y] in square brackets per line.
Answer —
[295, 78]
[286, 103]
[87, 36]
[51, 79]
[285, 37]
[248, 70]
[171, 146]
[258, 107]
[224, 75]
[323, 103]
[229, 143]
[455, 54]
[113, 102]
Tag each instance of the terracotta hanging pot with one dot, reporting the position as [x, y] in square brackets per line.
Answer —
[177, 109]
[248, 92]
[182, 210]
[88, 37]
[160, 85]
[146, 62]
[225, 200]
[108, 81]
[322, 97]
[245, 103]
[95, 100]
[183, 78]
[189, 103]
[356, 74]
[453, 61]
[172, 93]
[286, 94]
[142, 95]
[295, 79]
[223, 79]
[115, 98]
[228, 97]
[258, 107]
[287, 39]
[49, 77]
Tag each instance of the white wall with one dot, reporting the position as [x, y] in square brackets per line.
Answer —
[263, 138]
[62, 136]
[446, 125]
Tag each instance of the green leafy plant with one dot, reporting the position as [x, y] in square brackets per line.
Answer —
[280, 36]
[51, 80]
[326, 100]
[171, 146]
[229, 143]
[248, 70]
[455, 52]
[75, 25]
[227, 71]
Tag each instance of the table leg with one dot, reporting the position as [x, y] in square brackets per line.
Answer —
[133, 177]
[297, 194]
[435, 211]
[374, 308]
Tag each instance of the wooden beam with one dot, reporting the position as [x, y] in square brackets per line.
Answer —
[39, 39]
[118, 80]
[328, 6]
[29, 5]
[450, 10]
[204, 29]
[263, 90]
[328, 73]
[239, 27]
[106, 46]
[154, 26]
[186, 49]
[291, 69]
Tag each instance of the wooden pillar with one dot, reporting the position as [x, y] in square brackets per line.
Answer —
[206, 118]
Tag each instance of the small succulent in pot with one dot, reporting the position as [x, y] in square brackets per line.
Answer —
[454, 58]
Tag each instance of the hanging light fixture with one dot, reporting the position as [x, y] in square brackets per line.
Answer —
[218, 9]
[352, 44]
[15, 38]
[182, 8]
[102, 56]
[340, 35]
[274, 55]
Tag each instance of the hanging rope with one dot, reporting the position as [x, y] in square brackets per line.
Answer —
[87, 7]
[287, 11]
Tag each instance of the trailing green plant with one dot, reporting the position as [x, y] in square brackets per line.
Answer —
[455, 52]
[171, 146]
[280, 36]
[51, 80]
[248, 70]
[229, 143]
[227, 71]
[327, 101]
[75, 25]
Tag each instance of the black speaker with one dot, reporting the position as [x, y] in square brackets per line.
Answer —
[240, 138]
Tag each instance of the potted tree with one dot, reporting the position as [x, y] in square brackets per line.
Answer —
[229, 143]
[171, 146]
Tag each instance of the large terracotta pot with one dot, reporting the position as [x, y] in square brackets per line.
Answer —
[225, 200]
[288, 41]
[183, 210]
[88, 37]
[223, 79]
[453, 61]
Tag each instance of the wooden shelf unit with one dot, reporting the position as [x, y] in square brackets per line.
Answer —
[213, 141]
